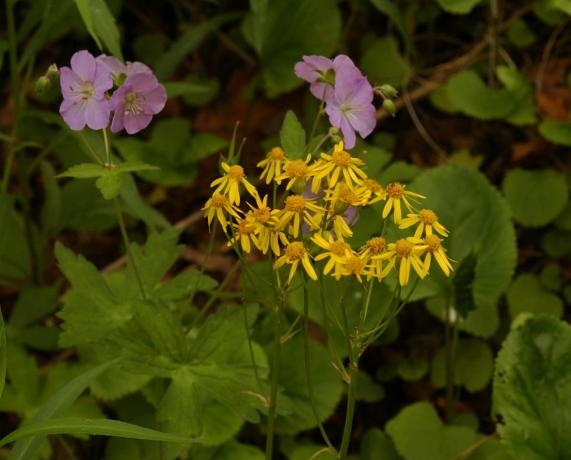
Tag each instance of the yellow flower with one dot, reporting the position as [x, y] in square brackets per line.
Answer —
[217, 205]
[372, 191]
[426, 220]
[295, 253]
[340, 164]
[272, 164]
[395, 193]
[229, 184]
[296, 172]
[341, 227]
[245, 233]
[434, 247]
[298, 209]
[343, 196]
[407, 251]
[263, 218]
[373, 250]
[337, 250]
[356, 265]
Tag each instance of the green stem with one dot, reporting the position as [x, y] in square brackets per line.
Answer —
[350, 409]
[308, 365]
[127, 244]
[107, 149]
[448, 345]
[274, 385]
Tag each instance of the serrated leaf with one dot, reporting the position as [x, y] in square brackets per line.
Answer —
[292, 136]
[549, 197]
[133, 166]
[526, 295]
[100, 24]
[458, 6]
[419, 434]
[85, 171]
[532, 390]
[376, 445]
[109, 184]
[473, 365]
[558, 132]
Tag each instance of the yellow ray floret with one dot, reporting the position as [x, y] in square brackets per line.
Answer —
[298, 210]
[395, 193]
[426, 220]
[372, 191]
[356, 265]
[244, 233]
[296, 172]
[273, 164]
[295, 253]
[373, 250]
[434, 248]
[336, 250]
[218, 206]
[229, 183]
[340, 165]
[406, 252]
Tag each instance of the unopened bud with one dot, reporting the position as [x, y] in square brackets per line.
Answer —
[388, 91]
[52, 73]
[299, 186]
[335, 134]
[389, 107]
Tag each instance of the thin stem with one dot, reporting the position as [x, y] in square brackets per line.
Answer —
[317, 116]
[127, 244]
[449, 365]
[308, 365]
[90, 149]
[107, 149]
[350, 410]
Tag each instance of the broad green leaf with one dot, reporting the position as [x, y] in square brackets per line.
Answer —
[473, 365]
[383, 63]
[556, 243]
[3, 353]
[419, 434]
[181, 286]
[14, 250]
[558, 132]
[411, 369]
[56, 405]
[304, 28]
[463, 284]
[520, 88]
[563, 221]
[109, 184]
[479, 221]
[313, 452]
[549, 197]
[100, 24]
[187, 42]
[85, 171]
[376, 445]
[458, 6]
[552, 277]
[367, 389]
[195, 92]
[51, 209]
[136, 206]
[520, 34]
[562, 5]
[532, 390]
[292, 137]
[389, 8]
[101, 427]
[133, 166]
[526, 295]
[229, 451]
[471, 96]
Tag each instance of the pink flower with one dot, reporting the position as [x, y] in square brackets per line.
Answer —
[120, 71]
[136, 101]
[320, 72]
[83, 88]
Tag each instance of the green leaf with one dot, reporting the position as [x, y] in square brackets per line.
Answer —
[133, 166]
[552, 277]
[376, 445]
[84, 209]
[85, 171]
[57, 404]
[562, 5]
[549, 197]
[51, 209]
[522, 92]
[3, 353]
[229, 451]
[14, 250]
[558, 132]
[563, 221]
[101, 427]
[411, 369]
[195, 93]
[187, 42]
[304, 28]
[458, 6]
[472, 97]
[313, 452]
[100, 24]
[419, 434]
[532, 390]
[463, 284]
[292, 137]
[473, 365]
[480, 223]
[109, 184]
[526, 295]
[520, 34]
[367, 389]
[383, 63]
[389, 8]
[556, 243]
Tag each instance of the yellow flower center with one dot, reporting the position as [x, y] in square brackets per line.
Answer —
[245, 228]
[338, 248]
[427, 216]
[376, 245]
[355, 265]
[295, 203]
[276, 153]
[433, 242]
[395, 190]
[403, 248]
[295, 251]
[262, 215]
[218, 201]
[236, 172]
[296, 168]
[341, 158]
[373, 186]
[346, 195]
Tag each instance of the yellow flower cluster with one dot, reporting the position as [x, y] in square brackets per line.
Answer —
[312, 222]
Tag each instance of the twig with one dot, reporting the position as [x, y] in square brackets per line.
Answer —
[547, 54]
[462, 455]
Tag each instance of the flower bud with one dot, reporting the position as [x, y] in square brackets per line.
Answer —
[335, 134]
[53, 73]
[387, 91]
[389, 107]
[299, 187]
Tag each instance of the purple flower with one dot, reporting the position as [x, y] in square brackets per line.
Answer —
[83, 88]
[350, 106]
[136, 101]
[320, 72]
[120, 71]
